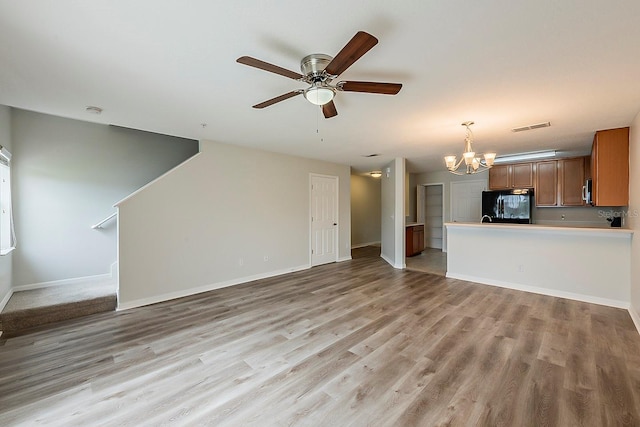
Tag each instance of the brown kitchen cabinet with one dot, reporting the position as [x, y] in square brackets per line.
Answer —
[610, 168]
[571, 174]
[559, 182]
[499, 177]
[517, 175]
[414, 240]
[546, 189]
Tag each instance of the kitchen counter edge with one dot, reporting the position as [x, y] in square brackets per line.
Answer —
[534, 228]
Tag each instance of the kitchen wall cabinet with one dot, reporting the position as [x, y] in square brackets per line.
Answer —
[571, 174]
[517, 175]
[610, 168]
[499, 177]
[414, 240]
[559, 182]
[546, 188]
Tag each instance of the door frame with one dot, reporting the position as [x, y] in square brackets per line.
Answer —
[337, 213]
[441, 184]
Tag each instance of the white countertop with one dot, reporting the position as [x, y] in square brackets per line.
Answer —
[608, 231]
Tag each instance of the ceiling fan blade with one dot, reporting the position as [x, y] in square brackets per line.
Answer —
[370, 87]
[253, 62]
[278, 99]
[329, 110]
[357, 46]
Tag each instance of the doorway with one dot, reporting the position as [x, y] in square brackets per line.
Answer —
[430, 212]
[324, 219]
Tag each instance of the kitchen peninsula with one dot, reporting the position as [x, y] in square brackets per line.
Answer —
[585, 264]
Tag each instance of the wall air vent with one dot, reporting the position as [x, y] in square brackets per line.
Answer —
[531, 127]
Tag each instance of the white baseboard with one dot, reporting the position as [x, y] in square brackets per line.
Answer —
[399, 266]
[198, 290]
[544, 291]
[384, 257]
[635, 317]
[6, 299]
[344, 258]
[362, 245]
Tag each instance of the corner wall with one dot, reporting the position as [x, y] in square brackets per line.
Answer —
[5, 261]
[67, 175]
[633, 219]
[226, 216]
[365, 210]
[393, 213]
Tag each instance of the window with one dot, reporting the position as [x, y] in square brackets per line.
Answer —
[7, 235]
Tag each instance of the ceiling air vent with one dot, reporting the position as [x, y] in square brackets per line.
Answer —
[531, 127]
[371, 155]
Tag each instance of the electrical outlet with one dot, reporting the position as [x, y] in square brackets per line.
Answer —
[520, 268]
[240, 262]
[266, 258]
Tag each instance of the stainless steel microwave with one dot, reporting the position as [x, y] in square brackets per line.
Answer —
[586, 191]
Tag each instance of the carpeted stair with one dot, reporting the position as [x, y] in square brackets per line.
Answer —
[36, 307]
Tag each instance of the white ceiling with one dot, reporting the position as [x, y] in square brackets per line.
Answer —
[169, 66]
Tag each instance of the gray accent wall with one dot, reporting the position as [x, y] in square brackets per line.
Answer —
[67, 175]
[5, 261]
[365, 210]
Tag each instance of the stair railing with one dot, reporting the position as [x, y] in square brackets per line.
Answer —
[101, 223]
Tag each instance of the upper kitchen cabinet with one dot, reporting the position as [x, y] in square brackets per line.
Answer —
[571, 174]
[518, 175]
[559, 182]
[610, 167]
[546, 191]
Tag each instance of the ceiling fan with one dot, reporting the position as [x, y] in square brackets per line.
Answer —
[319, 70]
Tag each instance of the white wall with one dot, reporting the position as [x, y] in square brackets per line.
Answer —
[393, 213]
[365, 210]
[188, 231]
[5, 261]
[633, 219]
[67, 175]
[586, 264]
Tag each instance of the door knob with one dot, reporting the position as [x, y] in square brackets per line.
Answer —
[335, 223]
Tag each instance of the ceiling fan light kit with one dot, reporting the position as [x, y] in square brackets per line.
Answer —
[319, 95]
[473, 164]
[319, 70]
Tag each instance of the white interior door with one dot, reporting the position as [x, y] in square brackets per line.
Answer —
[324, 219]
[466, 200]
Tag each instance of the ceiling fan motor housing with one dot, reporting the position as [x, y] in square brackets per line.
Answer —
[312, 66]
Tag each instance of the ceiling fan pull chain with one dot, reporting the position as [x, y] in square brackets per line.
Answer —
[318, 124]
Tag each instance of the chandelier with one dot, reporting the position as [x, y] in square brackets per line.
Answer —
[472, 163]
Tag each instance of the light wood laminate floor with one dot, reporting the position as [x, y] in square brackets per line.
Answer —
[430, 260]
[353, 343]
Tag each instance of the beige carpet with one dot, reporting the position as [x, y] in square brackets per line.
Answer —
[28, 309]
